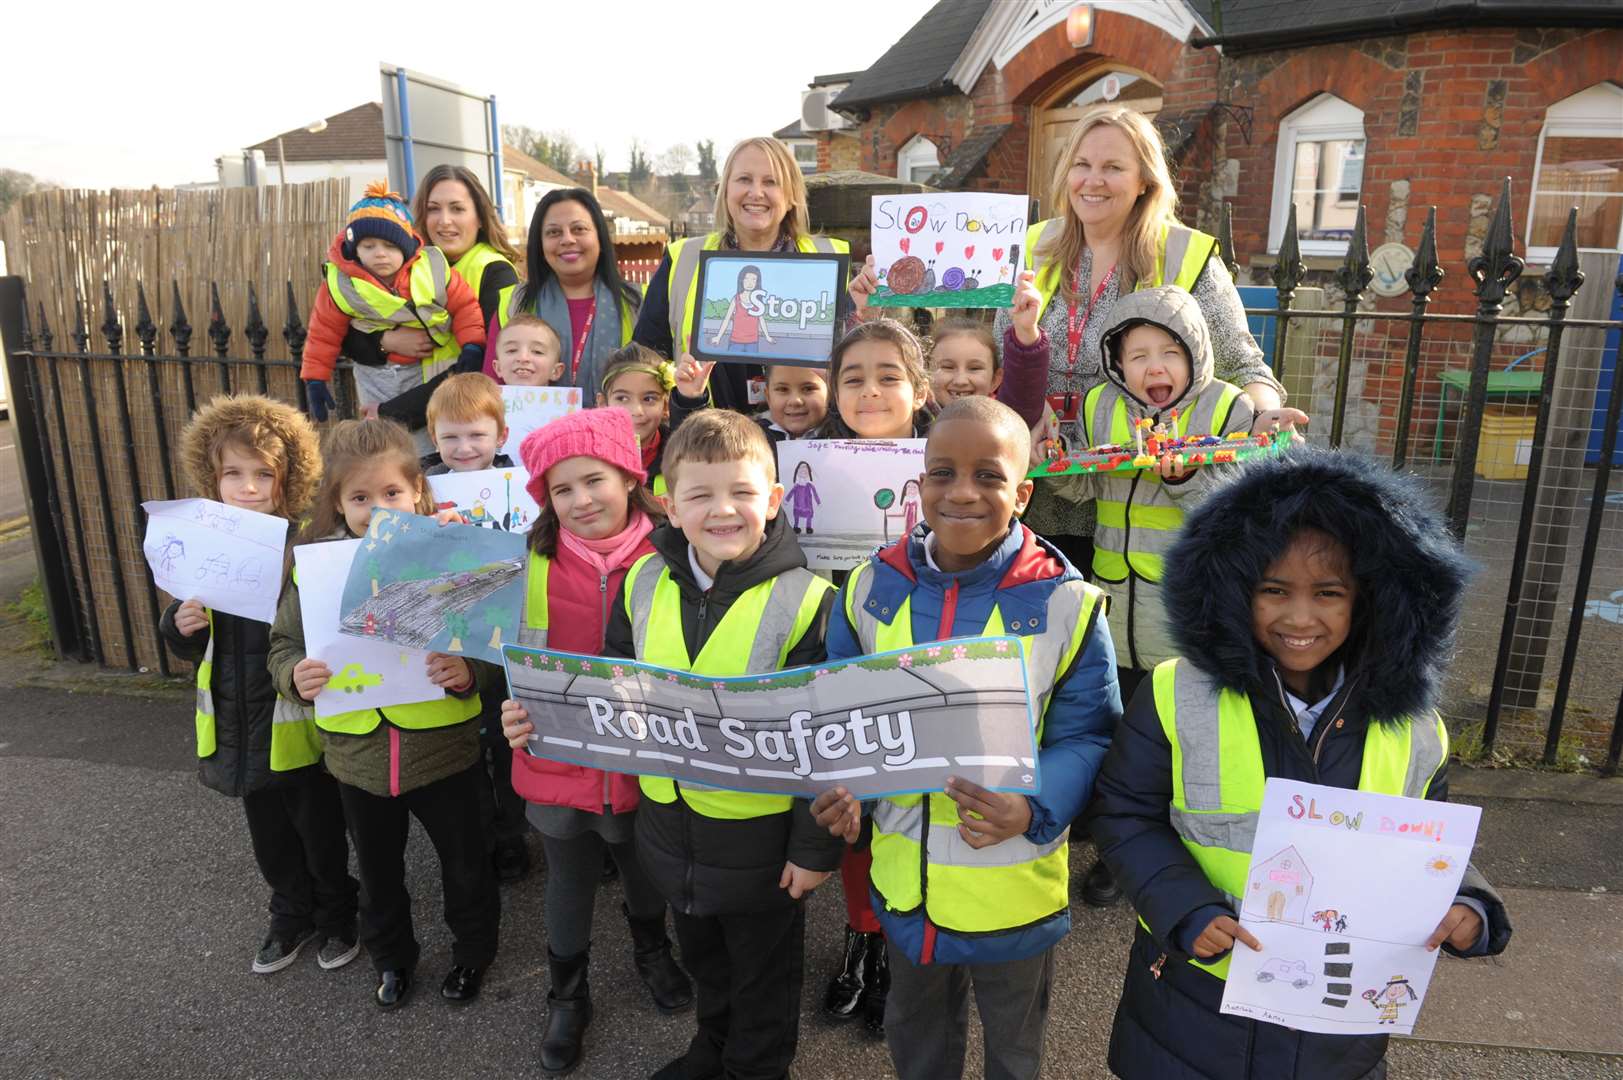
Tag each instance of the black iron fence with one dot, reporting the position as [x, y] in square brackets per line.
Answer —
[97, 431]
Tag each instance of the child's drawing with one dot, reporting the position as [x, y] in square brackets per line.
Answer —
[215, 554]
[848, 530]
[489, 498]
[531, 407]
[959, 250]
[353, 679]
[171, 550]
[1278, 889]
[1330, 919]
[1293, 972]
[1396, 994]
[802, 498]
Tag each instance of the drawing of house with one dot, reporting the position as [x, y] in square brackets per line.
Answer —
[1280, 888]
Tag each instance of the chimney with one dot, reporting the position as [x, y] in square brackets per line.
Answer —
[589, 168]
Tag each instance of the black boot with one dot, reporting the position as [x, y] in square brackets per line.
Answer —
[1099, 888]
[651, 951]
[844, 996]
[569, 1011]
[878, 974]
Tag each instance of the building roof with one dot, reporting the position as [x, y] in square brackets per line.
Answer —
[516, 160]
[620, 204]
[791, 131]
[1260, 24]
[968, 156]
[352, 135]
[917, 65]
[837, 77]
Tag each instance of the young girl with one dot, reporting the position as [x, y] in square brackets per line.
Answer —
[802, 498]
[586, 473]
[251, 452]
[420, 759]
[964, 360]
[640, 381]
[1314, 601]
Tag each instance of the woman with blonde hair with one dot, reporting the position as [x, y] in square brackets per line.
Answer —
[760, 206]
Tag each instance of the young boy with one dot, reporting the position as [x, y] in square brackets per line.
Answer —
[733, 866]
[529, 352]
[972, 886]
[1313, 600]
[258, 454]
[380, 276]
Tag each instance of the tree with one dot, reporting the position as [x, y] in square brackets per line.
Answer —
[555, 148]
[640, 170]
[14, 184]
[601, 160]
[707, 159]
[676, 160]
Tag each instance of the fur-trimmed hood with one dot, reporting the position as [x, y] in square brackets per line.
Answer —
[1175, 311]
[1411, 574]
[263, 422]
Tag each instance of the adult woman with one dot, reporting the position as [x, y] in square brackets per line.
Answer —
[760, 206]
[573, 281]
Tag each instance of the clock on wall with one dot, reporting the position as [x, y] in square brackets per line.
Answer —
[1390, 262]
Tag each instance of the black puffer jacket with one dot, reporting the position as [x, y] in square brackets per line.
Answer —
[1411, 580]
[709, 866]
[244, 699]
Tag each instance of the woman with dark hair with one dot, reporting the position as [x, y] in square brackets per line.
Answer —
[573, 282]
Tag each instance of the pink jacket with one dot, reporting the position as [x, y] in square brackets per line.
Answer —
[578, 602]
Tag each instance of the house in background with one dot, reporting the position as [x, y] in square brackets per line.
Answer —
[524, 182]
[821, 139]
[1279, 888]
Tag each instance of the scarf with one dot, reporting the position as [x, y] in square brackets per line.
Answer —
[612, 552]
[602, 340]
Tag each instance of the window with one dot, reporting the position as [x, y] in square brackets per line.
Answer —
[1118, 88]
[1319, 170]
[1580, 163]
[806, 156]
[918, 161]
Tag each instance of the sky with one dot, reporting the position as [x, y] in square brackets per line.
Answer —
[104, 95]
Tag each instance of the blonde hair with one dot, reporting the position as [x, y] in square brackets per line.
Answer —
[1157, 207]
[797, 222]
[465, 397]
[713, 436]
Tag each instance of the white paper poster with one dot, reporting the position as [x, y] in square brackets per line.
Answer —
[225, 557]
[367, 673]
[489, 498]
[1343, 891]
[958, 250]
[846, 497]
[530, 407]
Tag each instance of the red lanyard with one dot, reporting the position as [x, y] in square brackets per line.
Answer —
[585, 336]
[1074, 327]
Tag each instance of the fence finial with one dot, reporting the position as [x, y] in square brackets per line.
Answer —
[27, 331]
[111, 329]
[1564, 278]
[1288, 269]
[1356, 273]
[1426, 273]
[180, 329]
[293, 329]
[1497, 268]
[219, 332]
[254, 329]
[145, 329]
[81, 334]
[45, 339]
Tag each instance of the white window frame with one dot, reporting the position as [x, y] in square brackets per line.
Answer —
[912, 156]
[1593, 113]
[806, 167]
[1325, 118]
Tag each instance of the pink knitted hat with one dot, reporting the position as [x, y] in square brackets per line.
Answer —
[606, 434]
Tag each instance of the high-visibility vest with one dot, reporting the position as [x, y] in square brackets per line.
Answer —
[508, 305]
[754, 637]
[372, 308]
[1218, 779]
[684, 276]
[294, 742]
[1182, 247]
[532, 629]
[1137, 521]
[919, 858]
[475, 261]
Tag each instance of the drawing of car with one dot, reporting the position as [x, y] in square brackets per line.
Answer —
[353, 679]
[1292, 971]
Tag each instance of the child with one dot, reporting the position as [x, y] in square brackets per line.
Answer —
[467, 419]
[1313, 600]
[529, 352]
[802, 498]
[420, 759]
[964, 360]
[972, 886]
[879, 387]
[733, 866]
[380, 276]
[586, 474]
[640, 381]
[796, 401]
[261, 455]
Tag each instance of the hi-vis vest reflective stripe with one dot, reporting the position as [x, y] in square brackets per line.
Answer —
[685, 273]
[1184, 248]
[1217, 777]
[919, 859]
[1138, 523]
[508, 305]
[753, 637]
[372, 308]
[294, 742]
[474, 262]
[532, 629]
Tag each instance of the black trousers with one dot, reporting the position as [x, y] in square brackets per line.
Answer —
[747, 973]
[501, 808]
[448, 810]
[297, 832]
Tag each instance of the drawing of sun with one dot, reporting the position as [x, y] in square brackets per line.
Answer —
[1439, 865]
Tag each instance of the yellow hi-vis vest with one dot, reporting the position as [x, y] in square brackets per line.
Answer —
[1138, 521]
[1217, 777]
[532, 629]
[474, 262]
[294, 742]
[684, 277]
[919, 859]
[371, 308]
[1184, 248]
[754, 637]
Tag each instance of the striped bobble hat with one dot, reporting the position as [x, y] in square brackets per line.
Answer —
[383, 214]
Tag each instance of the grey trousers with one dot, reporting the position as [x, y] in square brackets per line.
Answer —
[927, 1016]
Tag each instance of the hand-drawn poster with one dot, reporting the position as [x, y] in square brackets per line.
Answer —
[367, 673]
[531, 407]
[444, 588]
[1343, 891]
[489, 498]
[887, 724]
[960, 250]
[228, 558]
[766, 307]
[846, 497]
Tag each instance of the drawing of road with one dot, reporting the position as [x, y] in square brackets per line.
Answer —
[417, 610]
[789, 341]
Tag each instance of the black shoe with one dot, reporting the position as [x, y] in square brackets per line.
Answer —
[394, 987]
[843, 999]
[878, 992]
[462, 984]
[569, 1012]
[512, 861]
[337, 949]
[651, 952]
[278, 951]
[1099, 888]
